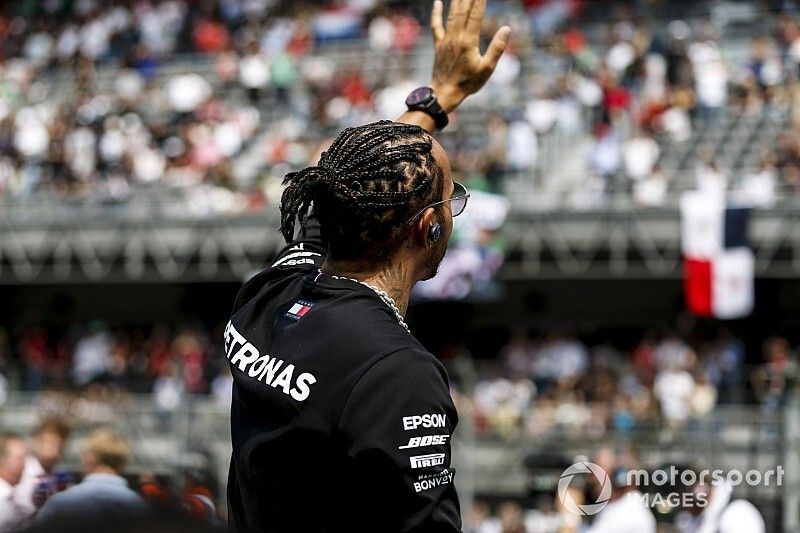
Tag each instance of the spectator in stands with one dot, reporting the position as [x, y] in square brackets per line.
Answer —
[518, 354]
[187, 91]
[34, 352]
[103, 496]
[771, 380]
[604, 155]
[522, 145]
[12, 464]
[651, 190]
[254, 72]
[92, 355]
[222, 387]
[510, 518]
[711, 177]
[503, 402]
[704, 395]
[724, 365]
[757, 188]
[674, 387]
[168, 389]
[477, 519]
[672, 351]
[640, 154]
[562, 359]
[48, 444]
[380, 32]
[711, 74]
[644, 358]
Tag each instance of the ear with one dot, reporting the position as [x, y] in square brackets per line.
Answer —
[421, 229]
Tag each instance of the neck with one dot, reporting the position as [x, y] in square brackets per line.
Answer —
[396, 279]
[102, 469]
[47, 466]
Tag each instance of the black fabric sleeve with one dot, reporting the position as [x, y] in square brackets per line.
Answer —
[397, 425]
[306, 250]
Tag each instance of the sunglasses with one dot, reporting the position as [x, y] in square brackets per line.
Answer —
[458, 201]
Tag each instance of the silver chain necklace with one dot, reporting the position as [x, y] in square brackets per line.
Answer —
[383, 295]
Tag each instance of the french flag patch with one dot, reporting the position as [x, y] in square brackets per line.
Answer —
[299, 309]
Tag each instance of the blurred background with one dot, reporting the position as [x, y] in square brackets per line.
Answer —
[142, 146]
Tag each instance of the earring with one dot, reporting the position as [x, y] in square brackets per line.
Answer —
[435, 232]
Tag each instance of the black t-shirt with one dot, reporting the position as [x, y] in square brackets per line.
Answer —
[340, 419]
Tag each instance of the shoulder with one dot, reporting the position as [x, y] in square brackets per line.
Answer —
[93, 488]
[84, 495]
[268, 283]
[408, 376]
[741, 515]
[410, 361]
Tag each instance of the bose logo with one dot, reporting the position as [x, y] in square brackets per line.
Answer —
[426, 421]
[427, 440]
[425, 461]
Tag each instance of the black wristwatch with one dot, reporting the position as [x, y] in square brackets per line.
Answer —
[424, 99]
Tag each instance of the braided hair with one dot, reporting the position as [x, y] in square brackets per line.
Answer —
[370, 181]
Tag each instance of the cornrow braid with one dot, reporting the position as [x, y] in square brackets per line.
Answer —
[364, 189]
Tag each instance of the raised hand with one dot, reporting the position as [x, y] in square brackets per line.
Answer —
[459, 69]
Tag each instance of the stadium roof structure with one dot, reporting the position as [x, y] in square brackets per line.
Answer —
[103, 247]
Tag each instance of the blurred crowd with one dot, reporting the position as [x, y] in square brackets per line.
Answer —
[94, 101]
[40, 490]
[553, 385]
[648, 106]
[702, 506]
[213, 102]
[93, 358]
[538, 386]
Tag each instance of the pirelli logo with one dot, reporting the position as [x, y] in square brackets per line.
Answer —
[426, 461]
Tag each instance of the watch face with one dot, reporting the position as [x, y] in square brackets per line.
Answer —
[419, 96]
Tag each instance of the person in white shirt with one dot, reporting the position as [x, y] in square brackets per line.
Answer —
[651, 191]
[640, 154]
[721, 515]
[626, 511]
[48, 443]
[711, 76]
[673, 388]
[757, 188]
[254, 71]
[12, 463]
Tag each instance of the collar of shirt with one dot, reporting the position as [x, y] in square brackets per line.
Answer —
[106, 479]
[5, 489]
[33, 469]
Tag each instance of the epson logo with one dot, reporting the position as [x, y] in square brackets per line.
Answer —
[427, 440]
[426, 461]
[425, 421]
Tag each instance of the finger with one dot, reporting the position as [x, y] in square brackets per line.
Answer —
[496, 48]
[475, 16]
[457, 14]
[436, 22]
